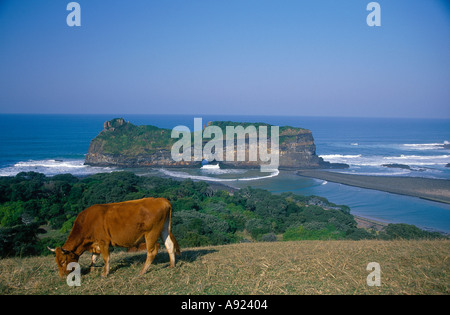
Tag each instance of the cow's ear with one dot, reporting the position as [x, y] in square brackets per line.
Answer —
[51, 249]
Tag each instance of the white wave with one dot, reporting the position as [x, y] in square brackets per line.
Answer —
[215, 179]
[376, 160]
[425, 173]
[210, 167]
[425, 146]
[53, 167]
[418, 157]
[339, 156]
[387, 172]
[273, 174]
[51, 164]
[216, 170]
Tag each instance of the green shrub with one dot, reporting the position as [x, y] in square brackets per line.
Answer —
[299, 233]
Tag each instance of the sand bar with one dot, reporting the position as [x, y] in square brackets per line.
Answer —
[426, 188]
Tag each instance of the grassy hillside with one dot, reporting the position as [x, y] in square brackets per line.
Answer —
[306, 267]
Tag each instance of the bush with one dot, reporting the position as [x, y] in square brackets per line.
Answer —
[360, 234]
[193, 228]
[257, 227]
[298, 233]
[407, 231]
[269, 237]
[19, 240]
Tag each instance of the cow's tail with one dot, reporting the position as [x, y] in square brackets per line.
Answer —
[174, 241]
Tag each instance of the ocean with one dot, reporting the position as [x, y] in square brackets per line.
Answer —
[54, 144]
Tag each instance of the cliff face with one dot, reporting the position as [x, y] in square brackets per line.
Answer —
[126, 145]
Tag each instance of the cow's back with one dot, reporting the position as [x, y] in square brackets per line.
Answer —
[125, 223]
[119, 224]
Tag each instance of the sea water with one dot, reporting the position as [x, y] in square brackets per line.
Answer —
[54, 144]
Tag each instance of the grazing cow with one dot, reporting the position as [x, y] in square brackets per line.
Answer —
[125, 224]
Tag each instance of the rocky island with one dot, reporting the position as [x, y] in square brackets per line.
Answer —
[124, 144]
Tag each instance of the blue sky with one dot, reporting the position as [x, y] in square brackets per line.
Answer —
[265, 57]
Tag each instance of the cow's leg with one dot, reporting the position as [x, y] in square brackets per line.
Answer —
[152, 250]
[94, 260]
[105, 254]
[165, 235]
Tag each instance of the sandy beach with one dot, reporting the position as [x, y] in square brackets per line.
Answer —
[426, 188]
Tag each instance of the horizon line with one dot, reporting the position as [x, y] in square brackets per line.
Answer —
[117, 115]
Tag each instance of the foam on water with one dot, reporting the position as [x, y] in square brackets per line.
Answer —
[53, 167]
[212, 178]
[378, 160]
[425, 146]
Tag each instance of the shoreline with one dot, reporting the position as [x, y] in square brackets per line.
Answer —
[437, 190]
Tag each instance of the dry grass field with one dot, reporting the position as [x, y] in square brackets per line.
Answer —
[280, 268]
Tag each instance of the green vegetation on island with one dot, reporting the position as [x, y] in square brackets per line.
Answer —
[133, 140]
[124, 144]
[38, 211]
[126, 138]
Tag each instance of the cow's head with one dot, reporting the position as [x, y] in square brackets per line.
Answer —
[63, 258]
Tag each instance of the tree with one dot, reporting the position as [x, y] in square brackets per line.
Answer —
[19, 240]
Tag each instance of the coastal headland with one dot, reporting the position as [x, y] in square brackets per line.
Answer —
[425, 188]
[124, 144]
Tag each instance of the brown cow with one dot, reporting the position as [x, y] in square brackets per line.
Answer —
[125, 224]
